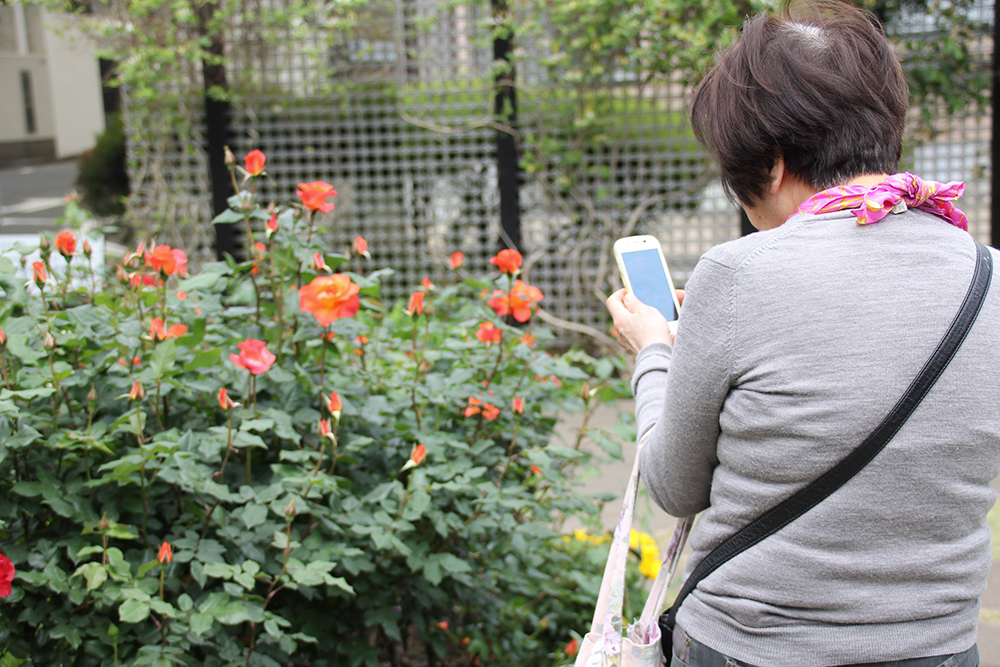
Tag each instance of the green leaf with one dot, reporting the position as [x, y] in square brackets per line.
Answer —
[133, 611]
[164, 357]
[228, 217]
[258, 425]
[254, 515]
[200, 623]
[27, 394]
[204, 359]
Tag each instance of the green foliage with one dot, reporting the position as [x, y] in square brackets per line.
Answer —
[302, 532]
[102, 179]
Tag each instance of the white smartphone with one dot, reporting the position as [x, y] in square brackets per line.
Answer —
[645, 274]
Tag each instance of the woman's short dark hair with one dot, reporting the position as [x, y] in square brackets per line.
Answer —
[818, 85]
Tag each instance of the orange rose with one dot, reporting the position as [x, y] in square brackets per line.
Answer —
[519, 301]
[225, 402]
[65, 243]
[167, 260]
[416, 306]
[329, 298]
[418, 455]
[473, 408]
[254, 163]
[254, 356]
[508, 261]
[166, 555]
[38, 273]
[315, 194]
[361, 246]
[456, 260]
[157, 333]
[519, 405]
[488, 333]
[334, 405]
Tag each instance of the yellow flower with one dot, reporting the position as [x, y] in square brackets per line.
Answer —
[649, 553]
[583, 536]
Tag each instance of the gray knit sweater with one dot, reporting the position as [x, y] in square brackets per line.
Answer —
[792, 345]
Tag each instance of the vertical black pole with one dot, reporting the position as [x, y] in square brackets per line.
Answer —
[505, 110]
[995, 143]
[217, 131]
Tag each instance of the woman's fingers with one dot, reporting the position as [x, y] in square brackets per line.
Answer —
[638, 325]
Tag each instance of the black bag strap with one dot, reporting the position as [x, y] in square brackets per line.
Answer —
[806, 498]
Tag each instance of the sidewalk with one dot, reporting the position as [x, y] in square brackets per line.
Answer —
[32, 198]
[649, 518]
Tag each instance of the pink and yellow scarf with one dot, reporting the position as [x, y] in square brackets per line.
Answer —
[893, 195]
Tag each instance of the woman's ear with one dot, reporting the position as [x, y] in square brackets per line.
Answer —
[778, 175]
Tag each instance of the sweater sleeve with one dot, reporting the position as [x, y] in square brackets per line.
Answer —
[679, 394]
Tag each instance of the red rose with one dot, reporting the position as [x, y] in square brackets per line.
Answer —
[253, 356]
[254, 163]
[6, 575]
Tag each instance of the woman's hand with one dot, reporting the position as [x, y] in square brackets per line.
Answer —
[638, 325]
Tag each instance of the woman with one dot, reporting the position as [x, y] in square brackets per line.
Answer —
[795, 342]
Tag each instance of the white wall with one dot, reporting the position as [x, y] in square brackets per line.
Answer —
[13, 126]
[74, 87]
[66, 82]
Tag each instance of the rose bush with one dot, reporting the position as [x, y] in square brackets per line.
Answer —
[262, 463]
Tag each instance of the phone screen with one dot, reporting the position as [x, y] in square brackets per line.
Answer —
[648, 281]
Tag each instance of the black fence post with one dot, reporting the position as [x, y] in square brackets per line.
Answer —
[505, 111]
[217, 132]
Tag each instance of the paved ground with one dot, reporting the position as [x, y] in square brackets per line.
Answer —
[613, 477]
[33, 197]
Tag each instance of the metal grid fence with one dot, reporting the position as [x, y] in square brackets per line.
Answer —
[401, 124]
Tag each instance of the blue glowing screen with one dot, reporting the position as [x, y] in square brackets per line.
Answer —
[648, 280]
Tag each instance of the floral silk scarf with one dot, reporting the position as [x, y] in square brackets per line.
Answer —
[893, 195]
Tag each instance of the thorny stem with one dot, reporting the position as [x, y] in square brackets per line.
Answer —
[65, 289]
[271, 590]
[278, 299]
[322, 355]
[3, 370]
[163, 299]
[510, 452]
[312, 220]
[496, 366]
[229, 445]
[416, 376]
[256, 289]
